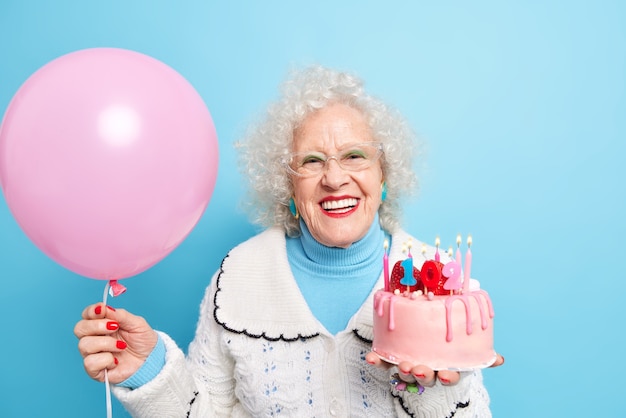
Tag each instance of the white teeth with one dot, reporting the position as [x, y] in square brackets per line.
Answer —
[338, 204]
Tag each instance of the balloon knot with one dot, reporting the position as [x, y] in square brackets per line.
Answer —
[115, 288]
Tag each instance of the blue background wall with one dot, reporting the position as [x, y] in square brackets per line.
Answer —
[522, 105]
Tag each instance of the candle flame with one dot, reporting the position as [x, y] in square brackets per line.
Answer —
[450, 251]
[437, 242]
[458, 240]
[423, 248]
[469, 240]
[386, 244]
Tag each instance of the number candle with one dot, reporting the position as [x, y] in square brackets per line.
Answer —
[468, 265]
[408, 280]
[386, 265]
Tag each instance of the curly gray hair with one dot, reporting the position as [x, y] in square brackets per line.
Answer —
[266, 142]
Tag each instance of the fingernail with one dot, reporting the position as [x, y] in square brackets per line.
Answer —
[116, 360]
[444, 381]
[419, 376]
[112, 325]
[120, 344]
[111, 308]
[98, 310]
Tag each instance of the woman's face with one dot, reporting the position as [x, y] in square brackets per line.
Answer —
[338, 206]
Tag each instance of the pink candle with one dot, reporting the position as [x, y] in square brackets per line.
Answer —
[437, 242]
[468, 265]
[458, 250]
[386, 266]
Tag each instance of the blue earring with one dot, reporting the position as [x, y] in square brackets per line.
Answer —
[293, 209]
[383, 191]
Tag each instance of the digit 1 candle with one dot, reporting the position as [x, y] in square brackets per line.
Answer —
[468, 265]
[386, 265]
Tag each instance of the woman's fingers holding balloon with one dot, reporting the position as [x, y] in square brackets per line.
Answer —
[96, 322]
[95, 364]
[97, 310]
[100, 344]
[130, 330]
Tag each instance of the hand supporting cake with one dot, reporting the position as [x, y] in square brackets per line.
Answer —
[429, 317]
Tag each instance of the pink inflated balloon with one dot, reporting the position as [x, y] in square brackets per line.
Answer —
[108, 159]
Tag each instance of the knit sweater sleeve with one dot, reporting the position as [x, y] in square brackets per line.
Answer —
[467, 399]
[198, 385]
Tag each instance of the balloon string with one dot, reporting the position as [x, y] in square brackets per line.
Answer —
[107, 386]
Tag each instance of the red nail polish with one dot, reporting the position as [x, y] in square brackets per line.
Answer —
[112, 325]
[98, 310]
[116, 360]
[420, 376]
[111, 308]
[120, 344]
[444, 381]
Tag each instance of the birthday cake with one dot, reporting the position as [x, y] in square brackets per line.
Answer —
[435, 315]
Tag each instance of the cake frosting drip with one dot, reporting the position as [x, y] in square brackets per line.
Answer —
[465, 299]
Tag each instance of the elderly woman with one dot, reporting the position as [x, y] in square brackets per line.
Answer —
[285, 326]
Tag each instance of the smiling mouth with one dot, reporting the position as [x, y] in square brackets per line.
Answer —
[339, 206]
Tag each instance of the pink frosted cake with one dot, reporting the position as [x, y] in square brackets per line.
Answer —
[433, 316]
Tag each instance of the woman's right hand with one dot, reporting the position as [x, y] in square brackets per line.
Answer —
[113, 339]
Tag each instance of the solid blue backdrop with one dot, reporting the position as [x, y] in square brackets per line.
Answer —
[521, 109]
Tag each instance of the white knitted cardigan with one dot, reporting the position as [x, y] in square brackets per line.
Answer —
[260, 352]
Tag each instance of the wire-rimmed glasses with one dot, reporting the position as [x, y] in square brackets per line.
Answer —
[353, 157]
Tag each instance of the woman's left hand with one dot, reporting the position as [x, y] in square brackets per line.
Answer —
[421, 374]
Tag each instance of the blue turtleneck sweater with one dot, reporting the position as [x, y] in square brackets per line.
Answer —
[336, 281]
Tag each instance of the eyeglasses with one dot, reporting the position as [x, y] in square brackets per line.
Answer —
[354, 157]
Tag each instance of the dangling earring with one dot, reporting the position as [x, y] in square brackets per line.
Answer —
[383, 191]
[293, 209]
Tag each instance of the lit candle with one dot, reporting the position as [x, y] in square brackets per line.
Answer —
[437, 242]
[386, 265]
[458, 250]
[468, 265]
